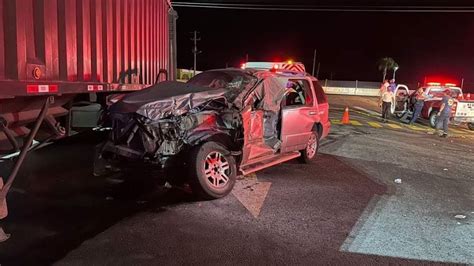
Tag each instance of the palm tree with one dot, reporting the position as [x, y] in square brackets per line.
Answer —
[385, 64]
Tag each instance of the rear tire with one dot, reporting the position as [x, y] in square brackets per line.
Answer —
[433, 117]
[213, 171]
[470, 126]
[311, 151]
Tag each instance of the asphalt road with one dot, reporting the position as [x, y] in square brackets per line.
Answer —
[345, 208]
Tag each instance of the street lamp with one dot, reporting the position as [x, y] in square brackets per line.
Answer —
[395, 71]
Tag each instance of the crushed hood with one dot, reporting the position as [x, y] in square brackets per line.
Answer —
[166, 99]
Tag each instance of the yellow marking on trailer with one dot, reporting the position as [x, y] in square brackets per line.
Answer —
[374, 124]
[355, 123]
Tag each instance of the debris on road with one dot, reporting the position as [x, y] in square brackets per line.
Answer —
[168, 185]
[398, 180]
[460, 216]
[445, 169]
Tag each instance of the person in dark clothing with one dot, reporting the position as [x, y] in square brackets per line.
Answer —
[445, 113]
[420, 101]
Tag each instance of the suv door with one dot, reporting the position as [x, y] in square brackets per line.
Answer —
[298, 116]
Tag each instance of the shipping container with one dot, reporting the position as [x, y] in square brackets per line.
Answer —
[78, 52]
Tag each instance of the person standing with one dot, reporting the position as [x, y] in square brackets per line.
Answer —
[386, 103]
[420, 102]
[444, 113]
[392, 86]
[384, 85]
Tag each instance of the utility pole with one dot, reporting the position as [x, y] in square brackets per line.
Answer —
[317, 72]
[314, 61]
[246, 58]
[195, 39]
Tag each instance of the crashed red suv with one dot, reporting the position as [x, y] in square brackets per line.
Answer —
[220, 124]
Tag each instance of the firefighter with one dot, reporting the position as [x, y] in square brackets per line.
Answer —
[444, 113]
[420, 101]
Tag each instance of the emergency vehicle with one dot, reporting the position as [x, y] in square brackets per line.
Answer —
[462, 110]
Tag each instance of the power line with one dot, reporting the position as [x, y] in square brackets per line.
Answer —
[272, 7]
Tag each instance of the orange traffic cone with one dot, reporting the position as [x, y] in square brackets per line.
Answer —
[345, 116]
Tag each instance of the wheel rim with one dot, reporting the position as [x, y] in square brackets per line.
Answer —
[216, 170]
[312, 146]
[433, 120]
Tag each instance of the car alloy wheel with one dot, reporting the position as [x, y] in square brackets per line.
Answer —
[216, 169]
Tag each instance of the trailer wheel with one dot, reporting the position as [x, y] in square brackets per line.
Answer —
[433, 117]
[213, 171]
[470, 126]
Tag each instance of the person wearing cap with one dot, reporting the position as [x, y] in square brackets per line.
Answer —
[420, 101]
[444, 113]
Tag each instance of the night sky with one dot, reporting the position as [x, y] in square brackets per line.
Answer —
[438, 45]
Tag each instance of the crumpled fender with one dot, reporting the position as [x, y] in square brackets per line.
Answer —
[211, 134]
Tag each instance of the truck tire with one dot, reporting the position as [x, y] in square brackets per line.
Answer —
[400, 114]
[433, 117]
[213, 171]
[470, 126]
[311, 151]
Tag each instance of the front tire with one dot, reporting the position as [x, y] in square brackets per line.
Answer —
[470, 126]
[311, 150]
[213, 171]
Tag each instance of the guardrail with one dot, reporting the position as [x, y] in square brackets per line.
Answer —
[354, 87]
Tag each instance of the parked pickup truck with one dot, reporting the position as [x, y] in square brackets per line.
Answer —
[220, 124]
[462, 112]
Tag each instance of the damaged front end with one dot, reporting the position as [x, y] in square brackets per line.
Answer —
[155, 137]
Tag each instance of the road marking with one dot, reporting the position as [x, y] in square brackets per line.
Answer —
[416, 128]
[457, 131]
[355, 123]
[367, 111]
[251, 193]
[395, 126]
[374, 124]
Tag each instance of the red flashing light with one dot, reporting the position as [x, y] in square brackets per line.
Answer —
[450, 85]
[434, 84]
[276, 66]
[243, 66]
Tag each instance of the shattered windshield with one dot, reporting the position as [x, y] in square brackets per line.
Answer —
[224, 79]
